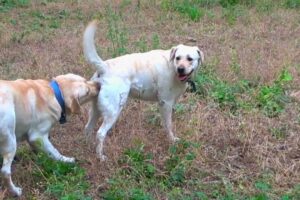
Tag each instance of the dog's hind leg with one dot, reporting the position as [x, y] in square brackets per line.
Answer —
[8, 151]
[94, 114]
[111, 100]
[166, 113]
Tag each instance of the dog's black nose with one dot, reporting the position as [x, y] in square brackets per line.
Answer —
[180, 70]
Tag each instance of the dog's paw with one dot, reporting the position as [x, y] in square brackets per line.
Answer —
[102, 157]
[16, 191]
[68, 159]
[175, 139]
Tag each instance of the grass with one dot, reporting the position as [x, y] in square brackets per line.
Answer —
[239, 129]
[6, 5]
[116, 33]
[138, 176]
[63, 181]
[243, 94]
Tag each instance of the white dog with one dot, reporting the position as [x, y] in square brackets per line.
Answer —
[29, 108]
[158, 75]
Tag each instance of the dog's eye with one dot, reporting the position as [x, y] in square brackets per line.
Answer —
[189, 59]
[178, 58]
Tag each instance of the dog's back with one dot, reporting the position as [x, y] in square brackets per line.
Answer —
[26, 102]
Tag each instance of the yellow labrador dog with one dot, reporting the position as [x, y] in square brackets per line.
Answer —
[29, 108]
[157, 75]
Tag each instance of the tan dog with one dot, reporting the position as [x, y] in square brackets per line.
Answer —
[29, 108]
[158, 75]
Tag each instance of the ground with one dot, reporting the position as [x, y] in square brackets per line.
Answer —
[239, 130]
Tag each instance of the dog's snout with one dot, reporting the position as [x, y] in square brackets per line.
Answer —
[180, 70]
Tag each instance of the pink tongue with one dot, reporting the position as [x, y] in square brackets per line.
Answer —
[182, 78]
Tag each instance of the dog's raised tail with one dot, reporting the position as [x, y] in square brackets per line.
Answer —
[89, 47]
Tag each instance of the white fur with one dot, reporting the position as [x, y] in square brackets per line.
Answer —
[28, 109]
[153, 76]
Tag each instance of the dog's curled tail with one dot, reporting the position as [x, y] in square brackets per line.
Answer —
[89, 48]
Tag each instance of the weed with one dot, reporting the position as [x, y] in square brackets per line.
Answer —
[279, 132]
[235, 66]
[19, 36]
[232, 3]
[221, 92]
[63, 180]
[272, 99]
[294, 193]
[138, 171]
[141, 44]
[152, 115]
[265, 6]
[292, 3]
[155, 41]
[179, 108]
[6, 5]
[189, 8]
[231, 13]
[116, 34]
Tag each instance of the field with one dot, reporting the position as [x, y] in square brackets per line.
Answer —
[240, 129]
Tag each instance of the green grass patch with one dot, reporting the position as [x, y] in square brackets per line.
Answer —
[292, 4]
[61, 180]
[6, 5]
[139, 177]
[272, 98]
[117, 33]
[188, 8]
[244, 94]
[37, 23]
[232, 9]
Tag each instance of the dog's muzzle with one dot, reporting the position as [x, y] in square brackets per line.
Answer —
[182, 76]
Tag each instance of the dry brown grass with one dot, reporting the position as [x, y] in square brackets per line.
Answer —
[240, 149]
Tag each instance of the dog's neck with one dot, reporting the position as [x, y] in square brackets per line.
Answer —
[59, 97]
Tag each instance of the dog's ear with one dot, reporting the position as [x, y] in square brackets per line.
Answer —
[201, 54]
[173, 52]
[72, 105]
[75, 106]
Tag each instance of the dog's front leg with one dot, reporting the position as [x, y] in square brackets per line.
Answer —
[166, 113]
[43, 143]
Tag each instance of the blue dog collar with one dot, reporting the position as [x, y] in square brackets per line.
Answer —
[54, 85]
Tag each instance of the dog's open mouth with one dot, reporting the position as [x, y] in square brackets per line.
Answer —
[184, 77]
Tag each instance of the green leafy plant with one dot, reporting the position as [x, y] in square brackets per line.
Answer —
[178, 162]
[224, 93]
[6, 5]
[279, 132]
[155, 41]
[116, 32]
[292, 3]
[189, 8]
[62, 180]
[138, 171]
[272, 99]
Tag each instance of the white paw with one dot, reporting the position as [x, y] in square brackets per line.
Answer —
[17, 191]
[68, 159]
[175, 139]
[102, 157]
